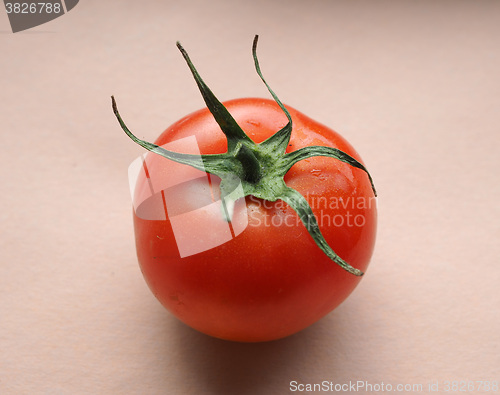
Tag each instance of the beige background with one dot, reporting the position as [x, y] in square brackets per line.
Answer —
[413, 85]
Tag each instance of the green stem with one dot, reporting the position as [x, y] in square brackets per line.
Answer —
[250, 169]
[250, 163]
[226, 122]
[279, 140]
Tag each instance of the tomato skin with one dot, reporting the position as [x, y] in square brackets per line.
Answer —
[272, 280]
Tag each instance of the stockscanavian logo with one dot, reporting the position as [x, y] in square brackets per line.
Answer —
[27, 14]
[158, 193]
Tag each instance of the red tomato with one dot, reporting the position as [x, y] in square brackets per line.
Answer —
[272, 279]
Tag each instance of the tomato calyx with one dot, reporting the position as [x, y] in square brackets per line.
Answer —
[250, 169]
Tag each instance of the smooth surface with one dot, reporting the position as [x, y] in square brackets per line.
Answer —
[413, 85]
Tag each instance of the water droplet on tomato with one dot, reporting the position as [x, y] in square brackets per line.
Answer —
[319, 174]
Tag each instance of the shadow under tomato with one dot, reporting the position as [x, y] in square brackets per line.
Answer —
[223, 367]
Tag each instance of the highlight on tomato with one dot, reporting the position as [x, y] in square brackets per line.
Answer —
[252, 221]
